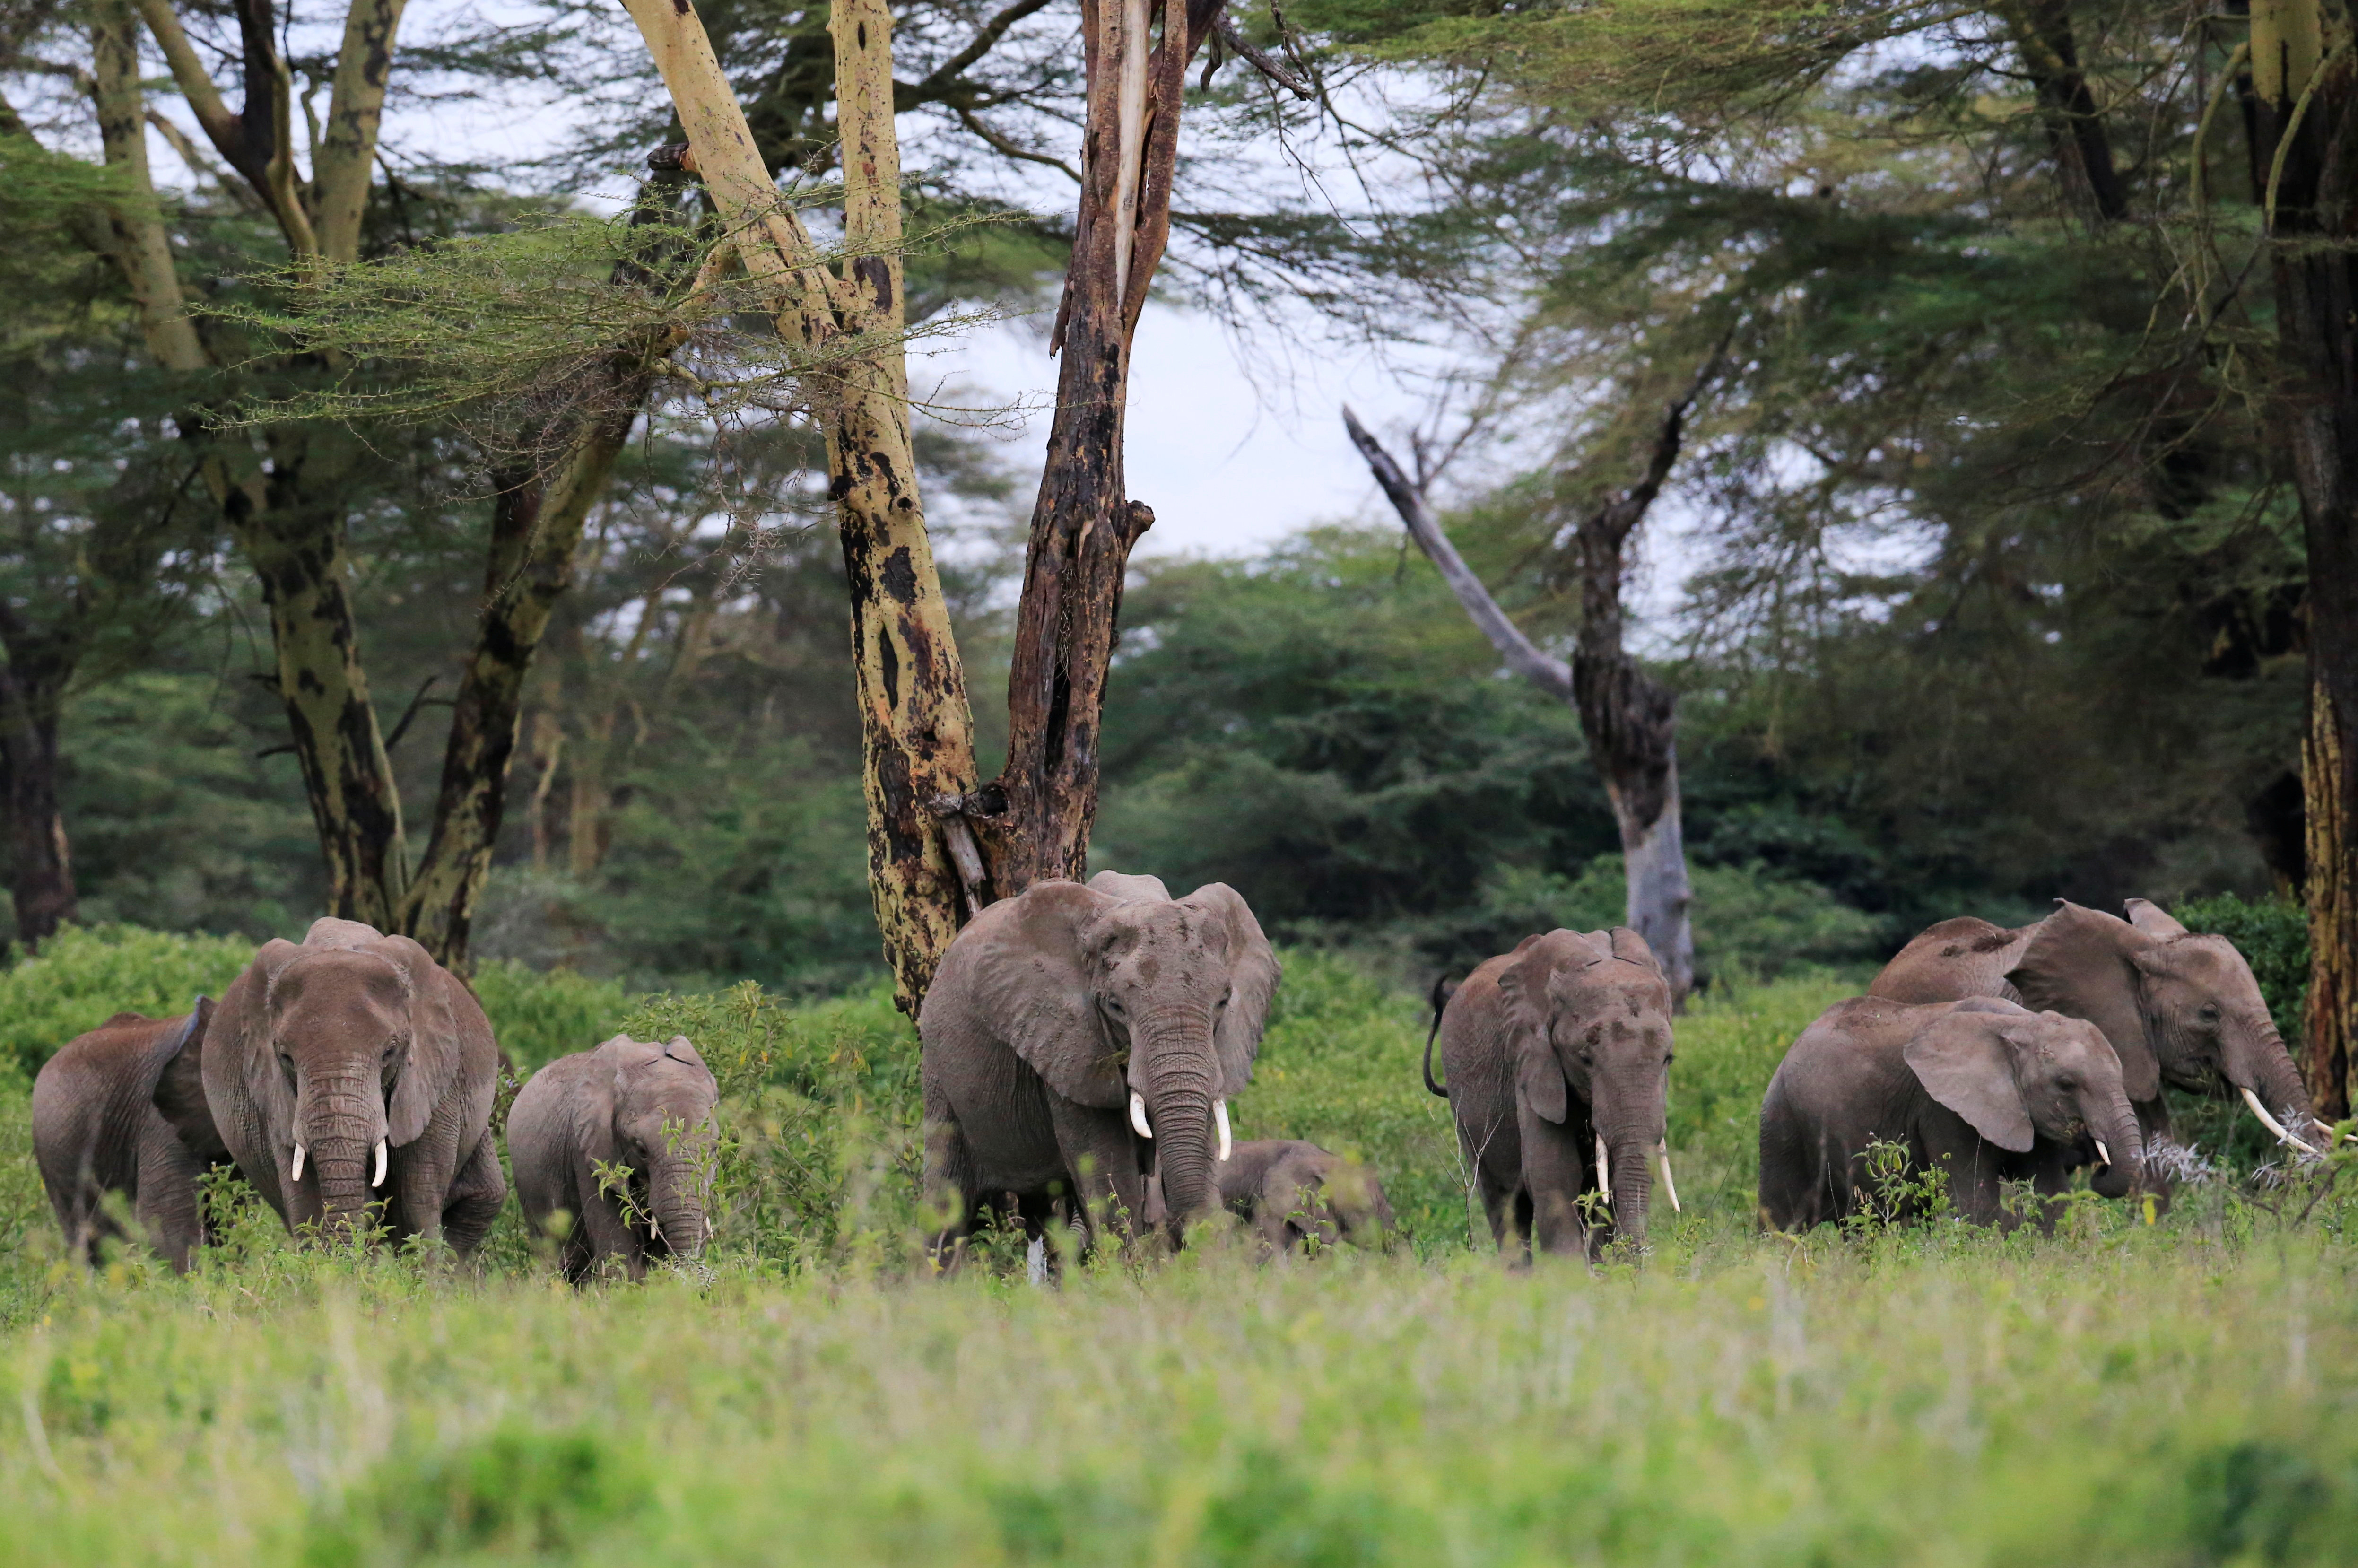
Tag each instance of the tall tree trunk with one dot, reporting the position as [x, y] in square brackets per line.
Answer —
[2301, 105]
[917, 725]
[1629, 718]
[32, 689]
[2076, 134]
[1034, 820]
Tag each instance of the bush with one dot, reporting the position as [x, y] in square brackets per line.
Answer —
[84, 976]
[540, 1017]
[2273, 936]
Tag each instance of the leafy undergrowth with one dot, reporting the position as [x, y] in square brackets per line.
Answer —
[2121, 1392]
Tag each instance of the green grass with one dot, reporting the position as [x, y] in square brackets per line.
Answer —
[2120, 1393]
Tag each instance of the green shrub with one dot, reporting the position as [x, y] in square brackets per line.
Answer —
[2273, 936]
[514, 1492]
[84, 976]
[540, 1017]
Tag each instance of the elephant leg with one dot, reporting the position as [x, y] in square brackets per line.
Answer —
[947, 1186]
[1554, 1173]
[474, 1199]
[607, 1236]
[1096, 1148]
[168, 1206]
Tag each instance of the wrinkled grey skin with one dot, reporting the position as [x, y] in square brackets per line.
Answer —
[120, 1110]
[1050, 1010]
[1546, 1049]
[2177, 1008]
[631, 1103]
[1291, 1192]
[1983, 1089]
[351, 1038]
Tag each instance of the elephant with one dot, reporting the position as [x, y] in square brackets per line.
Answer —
[1076, 1038]
[1983, 1089]
[354, 1064]
[628, 1102]
[2177, 1008]
[1557, 1057]
[120, 1109]
[1293, 1192]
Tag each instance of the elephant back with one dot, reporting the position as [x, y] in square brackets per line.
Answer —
[1955, 959]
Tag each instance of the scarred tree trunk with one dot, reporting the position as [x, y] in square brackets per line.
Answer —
[2301, 105]
[1034, 820]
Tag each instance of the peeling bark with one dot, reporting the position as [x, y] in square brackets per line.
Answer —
[915, 723]
[1034, 820]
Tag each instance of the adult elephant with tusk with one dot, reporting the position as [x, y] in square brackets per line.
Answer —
[1078, 1037]
[353, 1073]
[1981, 1092]
[1557, 1057]
[2176, 1007]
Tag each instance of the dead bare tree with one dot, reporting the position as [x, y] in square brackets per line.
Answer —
[1629, 718]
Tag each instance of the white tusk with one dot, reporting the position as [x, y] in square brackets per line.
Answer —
[296, 1173]
[1138, 1115]
[1670, 1187]
[2104, 1155]
[2271, 1124]
[1035, 1261]
[1604, 1171]
[378, 1180]
[1220, 1119]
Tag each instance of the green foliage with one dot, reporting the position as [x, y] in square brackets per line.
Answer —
[84, 976]
[2273, 936]
[517, 1491]
[541, 1016]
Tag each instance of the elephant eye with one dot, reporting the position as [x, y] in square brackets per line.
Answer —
[2210, 1013]
[1113, 1005]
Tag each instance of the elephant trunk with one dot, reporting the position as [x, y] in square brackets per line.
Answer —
[339, 1129]
[2114, 1125]
[1633, 1180]
[1179, 1093]
[2261, 1063]
[678, 1199]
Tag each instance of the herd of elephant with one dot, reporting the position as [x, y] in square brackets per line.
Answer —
[1079, 1046]
[1983, 1055]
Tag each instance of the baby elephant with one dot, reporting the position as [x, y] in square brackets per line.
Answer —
[1982, 1090]
[1295, 1191]
[120, 1109]
[628, 1103]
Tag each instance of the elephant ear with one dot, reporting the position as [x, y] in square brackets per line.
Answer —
[240, 1028]
[2081, 963]
[435, 1048]
[179, 1095]
[681, 1049]
[1523, 988]
[1253, 974]
[1632, 948]
[1025, 963]
[2153, 920]
[1964, 1061]
[1124, 886]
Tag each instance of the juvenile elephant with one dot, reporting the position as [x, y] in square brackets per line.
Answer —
[1293, 1192]
[1557, 1056]
[2177, 1008]
[353, 1069]
[1077, 1037]
[628, 1102]
[1983, 1090]
[120, 1109]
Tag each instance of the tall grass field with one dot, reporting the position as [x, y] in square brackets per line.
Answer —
[2171, 1389]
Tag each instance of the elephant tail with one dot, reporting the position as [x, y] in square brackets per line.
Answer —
[1442, 990]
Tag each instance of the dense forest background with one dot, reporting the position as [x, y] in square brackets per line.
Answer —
[1978, 579]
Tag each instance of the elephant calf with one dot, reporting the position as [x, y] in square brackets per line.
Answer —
[1983, 1091]
[120, 1109]
[1295, 1191]
[630, 1103]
